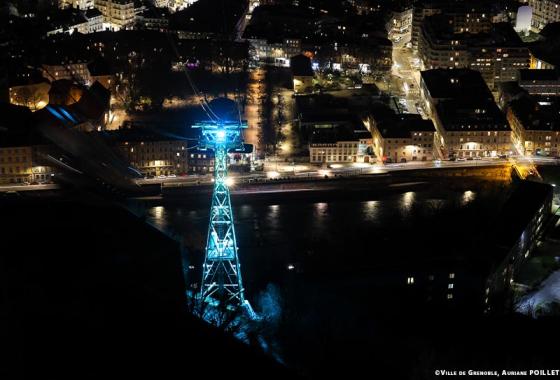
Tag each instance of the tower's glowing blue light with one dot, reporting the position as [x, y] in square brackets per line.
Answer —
[221, 136]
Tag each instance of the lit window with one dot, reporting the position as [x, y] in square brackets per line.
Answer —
[410, 280]
[451, 275]
[449, 286]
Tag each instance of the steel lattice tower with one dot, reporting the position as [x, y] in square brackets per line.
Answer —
[221, 274]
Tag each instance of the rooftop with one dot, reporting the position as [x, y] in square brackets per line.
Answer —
[441, 29]
[331, 136]
[527, 75]
[401, 126]
[457, 115]
[456, 84]
[535, 115]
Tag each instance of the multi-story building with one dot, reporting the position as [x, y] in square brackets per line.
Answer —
[472, 17]
[78, 4]
[72, 20]
[154, 19]
[498, 53]
[544, 12]
[403, 138]
[535, 125]
[102, 73]
[514, 238]
[275, 51]
[119, 14]
[19, 164]
[151, 154]
[200, 161]
[341, 145]
[160, 3]
[467, 120]
[421, 10]
[399, 21]
[331, 150]
[94, 21]
[29, 89]
[74, 71]
[540, 82]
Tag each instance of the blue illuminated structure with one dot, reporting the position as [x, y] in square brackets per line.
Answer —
[221, 274]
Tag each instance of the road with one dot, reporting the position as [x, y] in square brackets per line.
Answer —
[253, 110]
[18, 188]
[287, 171]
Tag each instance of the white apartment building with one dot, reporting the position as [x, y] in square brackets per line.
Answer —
[544, 12]
[118, 14]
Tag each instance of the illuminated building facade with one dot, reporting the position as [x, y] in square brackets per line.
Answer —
[540, 82]
[468, 121]
[153, 155]
[73, 71]
[119, 14]
[18, 165]
[403, 138]
[200, 161]
[400, 21]
[29, 89]
[475, 17]
[340, 151]
[544, 12]
[78, 4]
[535, 125]
[498, 53]
[278, 52]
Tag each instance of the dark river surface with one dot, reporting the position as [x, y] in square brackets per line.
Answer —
[342, 281]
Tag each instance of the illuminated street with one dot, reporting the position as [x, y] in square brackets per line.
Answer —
[253, 110]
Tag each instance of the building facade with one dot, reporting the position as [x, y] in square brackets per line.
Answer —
[535, 125]
[403, 138]
[540, 82]
[275, 51]
[340, 151]
[468, 122]
[157, 158]
[498, 54]
[73, 71]
[78, 4]
[544, 12]
[119, 14]
[19, 165]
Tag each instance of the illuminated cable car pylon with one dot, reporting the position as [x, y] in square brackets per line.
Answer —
[221, 271]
